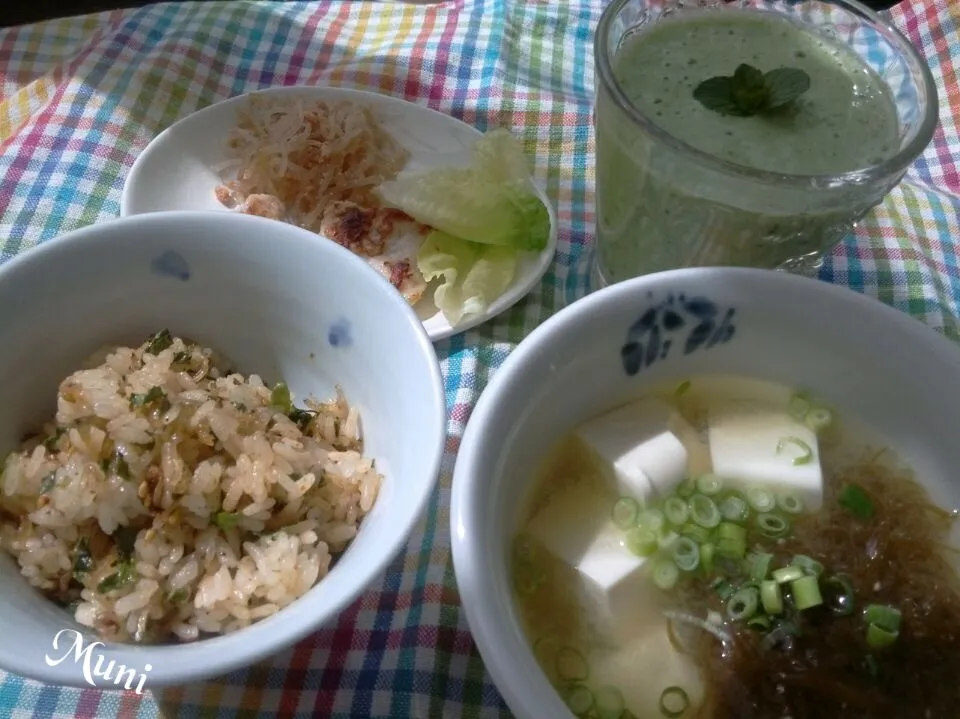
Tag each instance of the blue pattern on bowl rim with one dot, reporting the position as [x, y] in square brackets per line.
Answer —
[697, 323]
[172, 264]
[339, 333]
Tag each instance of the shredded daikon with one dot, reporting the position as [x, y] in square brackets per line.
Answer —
[306, 155]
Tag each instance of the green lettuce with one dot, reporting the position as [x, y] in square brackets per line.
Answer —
[471, 275]
[491, 202]
[482, 216]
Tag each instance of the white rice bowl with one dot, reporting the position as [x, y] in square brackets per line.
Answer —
[171, 499]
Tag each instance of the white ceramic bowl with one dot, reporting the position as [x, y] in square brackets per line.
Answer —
[280, 302]
[176, 171]
[870, 362]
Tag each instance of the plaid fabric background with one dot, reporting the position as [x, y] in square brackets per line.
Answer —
[80, 98]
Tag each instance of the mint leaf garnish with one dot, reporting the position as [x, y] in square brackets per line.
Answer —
[784, 85]
[749, 89]
[750, 92]
[717, 94]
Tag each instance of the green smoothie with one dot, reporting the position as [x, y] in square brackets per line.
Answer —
[661, 208]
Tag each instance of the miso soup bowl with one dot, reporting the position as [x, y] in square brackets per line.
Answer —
[279, 302]
[870, 362]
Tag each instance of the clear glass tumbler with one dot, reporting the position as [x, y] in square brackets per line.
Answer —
[663, 203]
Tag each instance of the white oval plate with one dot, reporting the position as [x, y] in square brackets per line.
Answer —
[176, 172]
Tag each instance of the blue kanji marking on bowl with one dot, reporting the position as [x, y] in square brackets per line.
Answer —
[697, 323]
[172, 264]
[339, 334]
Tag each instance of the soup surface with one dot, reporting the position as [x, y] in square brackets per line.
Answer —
[731, 548]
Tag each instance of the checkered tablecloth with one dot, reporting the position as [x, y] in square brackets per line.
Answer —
[80, 98]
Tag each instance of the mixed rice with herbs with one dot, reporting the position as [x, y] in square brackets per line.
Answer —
[170, 499]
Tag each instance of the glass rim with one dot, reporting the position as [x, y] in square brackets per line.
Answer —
[893, 165]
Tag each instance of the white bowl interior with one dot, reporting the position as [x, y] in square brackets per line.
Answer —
[279, 302]
[876, 366]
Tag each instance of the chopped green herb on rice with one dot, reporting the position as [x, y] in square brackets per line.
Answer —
[169, 499]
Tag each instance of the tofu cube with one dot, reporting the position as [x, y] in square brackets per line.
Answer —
[646, 447]
[744, 437]
[576, 527]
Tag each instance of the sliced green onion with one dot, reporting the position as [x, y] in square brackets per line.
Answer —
[682, 388]
[855, 500]
[686, 554]
[787, 574]
[884, 616]
[667, 539]
[723, 588]
[641, 541]
[819, 418]
[673, 702]
[675, 510]
[760, 566]
[840, 596]
[732, 548]
[651, 519]
[707, 550]
[770, 597]
[695, 532]
[578, 698]
[742, 604]
[781, 635]
[770, 525]
[665, 574]
[709, 484]
[545, 649]
[789, 502]
[226, 520]
[760, 499]
[571, 666]
[734, 509]
[878, 637]
[806, 593]
[608, 703]
[759, 622]
[731, 531]
[703, 511]
[280, 398]
[808, 565]
[625, 511]
[686, 488]
[798, 407]
[806, 452]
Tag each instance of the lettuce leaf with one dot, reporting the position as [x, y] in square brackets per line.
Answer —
[472, 275]
[492, 202]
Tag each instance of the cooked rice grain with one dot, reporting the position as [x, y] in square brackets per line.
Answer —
[168, 499]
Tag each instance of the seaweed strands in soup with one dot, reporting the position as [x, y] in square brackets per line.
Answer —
[728, 549]
[884, 643]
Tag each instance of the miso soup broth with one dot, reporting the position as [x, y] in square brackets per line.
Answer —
[730, 548]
